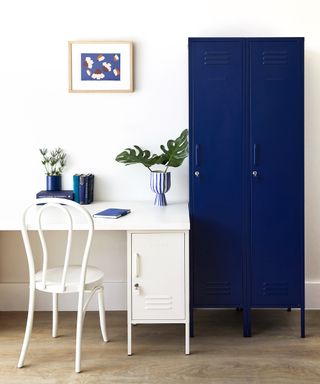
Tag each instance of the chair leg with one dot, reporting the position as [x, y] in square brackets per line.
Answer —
[80, 319]
[102, 315]
[29, 325]
[54, 314]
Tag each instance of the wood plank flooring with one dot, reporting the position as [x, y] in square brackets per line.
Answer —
[274, 354]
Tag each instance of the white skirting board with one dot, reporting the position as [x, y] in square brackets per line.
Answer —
[14, 297]
[312, 295]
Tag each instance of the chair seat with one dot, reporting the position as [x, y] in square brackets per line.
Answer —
[94, 278]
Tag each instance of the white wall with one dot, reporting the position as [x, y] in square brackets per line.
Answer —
[37, 110]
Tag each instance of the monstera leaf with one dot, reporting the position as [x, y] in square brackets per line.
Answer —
[173, 154]
[177, 150]
[137, 155]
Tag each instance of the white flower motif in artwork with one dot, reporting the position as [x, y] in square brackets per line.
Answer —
[116, 71]
[97, 75]
[89, 62]
[100, 57]
[88, 72]
[116, 57]
[107, 66]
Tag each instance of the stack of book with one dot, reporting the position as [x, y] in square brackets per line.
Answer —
[83, 188]
[64, 194]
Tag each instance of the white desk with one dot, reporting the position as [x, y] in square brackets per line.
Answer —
[143, 216]
[157, 257]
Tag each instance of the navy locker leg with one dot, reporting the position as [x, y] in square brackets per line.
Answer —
[246, 322]
[302, 322]
[289, 309]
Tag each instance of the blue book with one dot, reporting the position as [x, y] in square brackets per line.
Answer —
[88, 188]
[91, 188]
[112, 213]
[65, 194]
[76, 187]
[82, 188]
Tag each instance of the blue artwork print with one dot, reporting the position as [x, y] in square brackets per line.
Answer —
[100, 66]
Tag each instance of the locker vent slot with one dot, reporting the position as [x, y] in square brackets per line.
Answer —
[158, 302]
[274, 58]
[275, 289]
[218, 288]
[216, 58]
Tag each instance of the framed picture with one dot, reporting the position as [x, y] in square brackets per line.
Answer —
[100, 66]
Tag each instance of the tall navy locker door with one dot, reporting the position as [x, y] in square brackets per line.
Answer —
[277, 184]
[216, 187]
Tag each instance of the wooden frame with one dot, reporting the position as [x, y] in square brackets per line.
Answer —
[100, 66]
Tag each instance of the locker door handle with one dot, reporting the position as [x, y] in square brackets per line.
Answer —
[196, 155]
[255, 154]
[136, 265]
[254, 173]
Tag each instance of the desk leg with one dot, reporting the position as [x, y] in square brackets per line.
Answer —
[129, 339]
[187, 338]
[129, 299]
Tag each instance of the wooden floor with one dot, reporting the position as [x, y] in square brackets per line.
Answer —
[219, 354]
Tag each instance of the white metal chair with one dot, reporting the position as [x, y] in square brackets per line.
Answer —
[63, 279]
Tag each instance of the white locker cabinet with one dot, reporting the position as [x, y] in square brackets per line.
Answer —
[158, 279]
[158, 276]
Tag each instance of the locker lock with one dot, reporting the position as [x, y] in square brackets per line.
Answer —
[136, 289]
[197, 173]
[254, 173]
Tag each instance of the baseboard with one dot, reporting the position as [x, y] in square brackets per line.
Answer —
[312, 295]
[14, 297]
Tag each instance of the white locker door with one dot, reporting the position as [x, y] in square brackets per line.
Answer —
[158, 276]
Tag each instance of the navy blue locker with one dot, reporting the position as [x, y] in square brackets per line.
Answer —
[217, 90]
[246, 103]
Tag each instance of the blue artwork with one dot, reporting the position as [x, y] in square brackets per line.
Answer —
[100, 66]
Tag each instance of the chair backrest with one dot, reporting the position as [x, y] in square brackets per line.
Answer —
[33, 219]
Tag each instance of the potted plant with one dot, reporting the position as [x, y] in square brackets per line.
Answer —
[54, 162]
[173, 155]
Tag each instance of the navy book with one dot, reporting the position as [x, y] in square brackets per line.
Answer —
[88, 188]
[112, 213]
[66, 194]
[85, 187]
[82, 186]
[91, 187]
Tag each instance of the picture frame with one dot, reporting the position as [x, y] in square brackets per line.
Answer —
[100, 66]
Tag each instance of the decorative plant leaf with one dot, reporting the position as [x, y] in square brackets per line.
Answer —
[54, 161]
[177, 150]
[172, 156]
[137, 155]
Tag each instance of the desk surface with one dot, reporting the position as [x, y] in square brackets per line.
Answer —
[144, 216]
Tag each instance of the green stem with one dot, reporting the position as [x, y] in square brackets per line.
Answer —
[46, 167]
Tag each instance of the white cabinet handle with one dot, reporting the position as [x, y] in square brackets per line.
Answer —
[137, 265]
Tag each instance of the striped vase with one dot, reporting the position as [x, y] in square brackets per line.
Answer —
[160, 183]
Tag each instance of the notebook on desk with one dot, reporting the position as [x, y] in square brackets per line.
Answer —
[112, 213]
